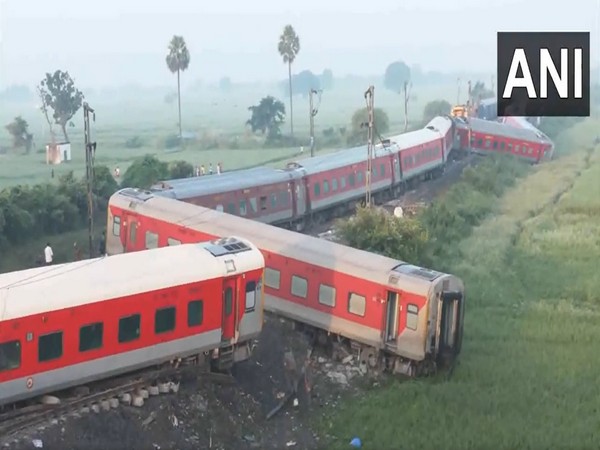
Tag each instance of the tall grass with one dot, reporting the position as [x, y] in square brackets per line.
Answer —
[528, 374]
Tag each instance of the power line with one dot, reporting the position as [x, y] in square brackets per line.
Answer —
[90, 153]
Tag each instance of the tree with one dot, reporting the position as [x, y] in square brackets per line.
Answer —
[144, 172]
[19, 130]
[396, 74]
[58, 92]
[178, 60]
[327, 79]
[360, 118]
[374, 230]
[267, 116]
[288, 47]
[302, 83]
[397, 79]
[180, 169]
[436, 108]
[225, 84]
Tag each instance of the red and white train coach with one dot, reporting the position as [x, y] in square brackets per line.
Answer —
[73, 323]
[322, 186]
[489, 137]
[411, 316]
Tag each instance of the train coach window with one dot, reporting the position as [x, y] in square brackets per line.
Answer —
[273, 200]
[325, 187]
[116, 226]
[495, 145]
[317, 189]
[129, 328]
[343, 182]
[412, 316]
[253, 204]
[502, 145]
[195, 313]
[359, 177]
[351, 179]
[299, 286]
[284, 198]
[171, 241]
[357, 304]
[326, 295]
[10, 355]
[272, 278]
[479, 143]
[90, 336]
[250, 296]
[164, 320]
[50, 346]
[231, 208]
[488, 143]
[151, 240]
[516, 149]
[382, 170]
[510, 147]
[334, 184]
[263, 203]
[243, 211]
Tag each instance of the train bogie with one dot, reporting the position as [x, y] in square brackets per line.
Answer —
[73, 323]
[383, 305]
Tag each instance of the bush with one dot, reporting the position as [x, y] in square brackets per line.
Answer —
[50, 208]
[374, 230]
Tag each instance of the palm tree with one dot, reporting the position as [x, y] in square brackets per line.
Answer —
[178, 60]
[289, 46]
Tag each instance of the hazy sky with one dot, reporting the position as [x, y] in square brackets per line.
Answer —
[111, 42]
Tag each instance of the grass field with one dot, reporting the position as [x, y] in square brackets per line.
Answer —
[528, 374]
[217, 119]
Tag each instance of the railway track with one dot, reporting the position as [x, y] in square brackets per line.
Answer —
[108, 394]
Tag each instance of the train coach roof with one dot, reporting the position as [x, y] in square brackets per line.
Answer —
[184, 188]
[439, 123]
[414, 138]
[52, 288]
[338, 159]
[330, 255]
[502, 129]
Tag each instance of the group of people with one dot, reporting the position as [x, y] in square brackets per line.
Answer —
[77, 254]
[200, 170]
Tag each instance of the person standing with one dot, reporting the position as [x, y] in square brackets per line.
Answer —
[210, 169]
[102, 244]
[48, 254]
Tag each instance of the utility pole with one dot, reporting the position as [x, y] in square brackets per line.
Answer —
[90, 152]
[312, 113]
[369, 94]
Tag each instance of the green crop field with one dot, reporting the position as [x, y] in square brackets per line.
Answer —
[528, 373]
[217, 119]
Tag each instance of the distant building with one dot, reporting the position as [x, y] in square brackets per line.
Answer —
[58, 153]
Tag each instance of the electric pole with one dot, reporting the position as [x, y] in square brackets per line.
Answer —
[312, 113]
[90, 152]
[369, 94]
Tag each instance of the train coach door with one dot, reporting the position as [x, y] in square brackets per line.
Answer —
[450, 323]
[229, 309]
[130, 231]
[391, 319]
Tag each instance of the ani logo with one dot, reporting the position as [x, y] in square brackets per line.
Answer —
[544, 74]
